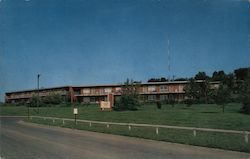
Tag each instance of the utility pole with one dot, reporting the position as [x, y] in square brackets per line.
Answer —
[38, 96]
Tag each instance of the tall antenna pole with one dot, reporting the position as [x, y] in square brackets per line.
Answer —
[169, 75]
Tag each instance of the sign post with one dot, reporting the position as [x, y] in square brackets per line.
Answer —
[75, 111]
[29, 111]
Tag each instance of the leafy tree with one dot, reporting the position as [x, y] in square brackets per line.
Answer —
[242, 73]
[204, 90]
[192, 90]
[52, 98]
[181, 79]
[201, 76]
[245, 96]
[158, 104]
[246, 104]
[198, 91]
[229, 81]
[218, 76]
[35, 101]
[221, 96]
[162, 79]
[129, 99]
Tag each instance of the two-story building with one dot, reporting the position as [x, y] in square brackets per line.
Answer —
[152, 91]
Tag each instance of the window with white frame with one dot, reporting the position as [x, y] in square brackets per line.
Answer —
[86, 91]
[151, 88]
[163, 88]
[107, 90]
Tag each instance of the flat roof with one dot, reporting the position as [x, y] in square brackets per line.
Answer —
[30, 90]
[105, 85]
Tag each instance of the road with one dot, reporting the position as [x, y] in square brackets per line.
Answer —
[21, 140]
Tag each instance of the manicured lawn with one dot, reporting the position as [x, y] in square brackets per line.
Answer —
[207, 139]
[200, 115]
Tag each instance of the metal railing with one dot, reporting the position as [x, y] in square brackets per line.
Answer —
[130, 125]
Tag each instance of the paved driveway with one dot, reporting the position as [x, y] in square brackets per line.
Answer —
[20, 140]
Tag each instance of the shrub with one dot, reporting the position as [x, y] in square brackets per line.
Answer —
[245, 97]
[246, 104]
[129, 99]
[158, 104]
[35, 101]
[52, 99]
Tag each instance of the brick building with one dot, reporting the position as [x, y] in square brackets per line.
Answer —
[95, 93]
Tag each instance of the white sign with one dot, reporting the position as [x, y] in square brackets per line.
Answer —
[75, 111]
[105, 104]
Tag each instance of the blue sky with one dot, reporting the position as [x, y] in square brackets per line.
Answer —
[77, 42]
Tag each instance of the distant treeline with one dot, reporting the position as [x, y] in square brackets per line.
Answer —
[233, 87]
[238, 74]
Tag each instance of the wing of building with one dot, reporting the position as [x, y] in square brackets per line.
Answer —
[152, 91]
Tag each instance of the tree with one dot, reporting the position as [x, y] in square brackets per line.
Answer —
[245, 96]
[34, 100]
[218, 76]
[201, 76]
[158, 104]
[52, 98]
[229, 81]
[204, 90]
[192, 90]
[129, 99]
[246, 103]
[221, 96]
[181, 79]
[162, 79]
[242, 73]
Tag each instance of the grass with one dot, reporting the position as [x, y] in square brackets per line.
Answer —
[207, 139]
[200, 115]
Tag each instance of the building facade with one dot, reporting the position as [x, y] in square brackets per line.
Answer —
[153, 91]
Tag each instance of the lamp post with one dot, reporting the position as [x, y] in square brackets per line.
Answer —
[38, 97]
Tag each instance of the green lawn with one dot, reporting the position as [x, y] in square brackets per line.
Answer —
[202, 115]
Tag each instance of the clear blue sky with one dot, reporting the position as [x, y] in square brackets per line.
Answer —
[77, 42]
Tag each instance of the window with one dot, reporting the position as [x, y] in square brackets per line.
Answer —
[163, 97]
[118, 89]
[86, 99]
[151, 97]
[163, 88]
[101, 90]
[86, 91]
[107, 90]
[92, 90]
[151, 88]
